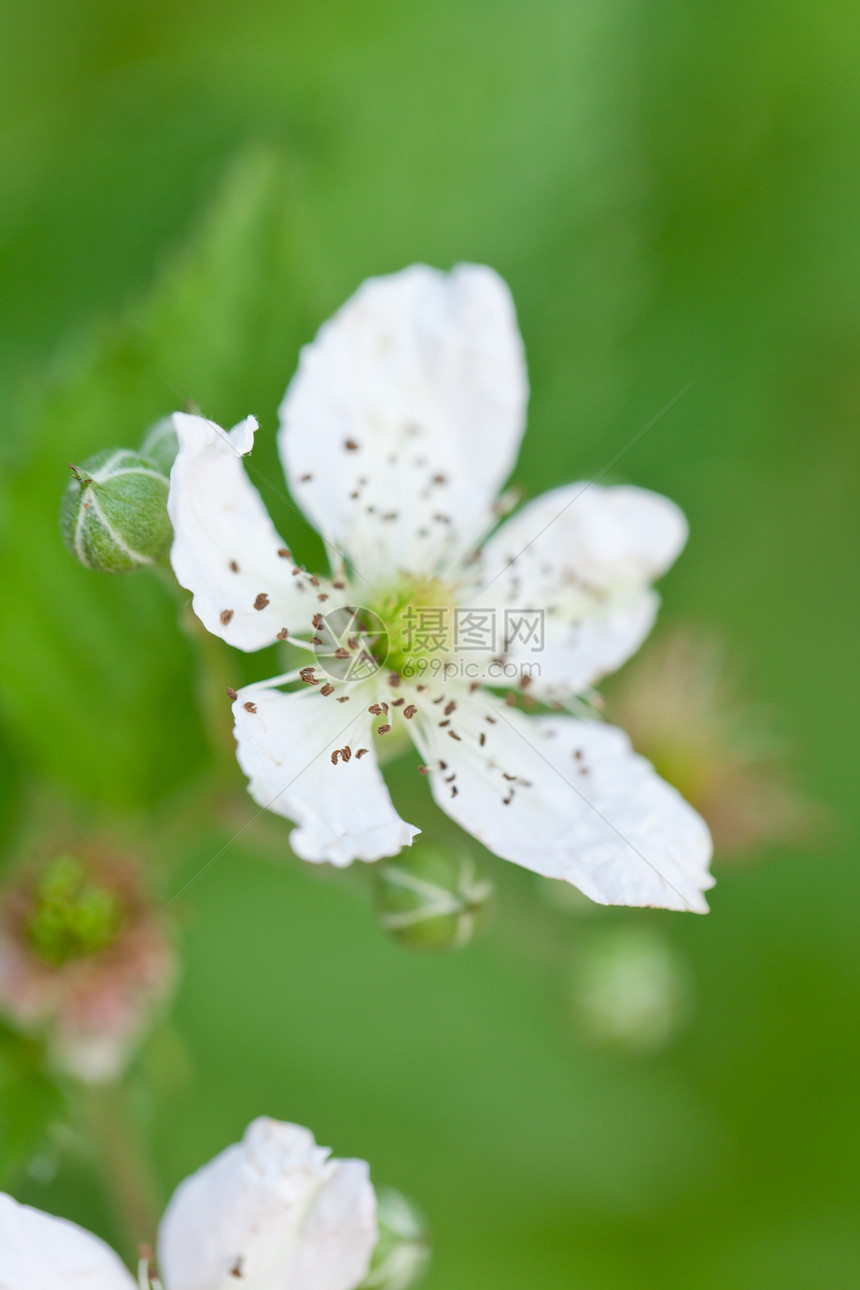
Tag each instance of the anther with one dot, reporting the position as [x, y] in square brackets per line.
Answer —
[383, 730]
[327, 689]
[226, 615]
[409, 712]
[360, 753]
[250, 707]
[231, 693]
[283, 634]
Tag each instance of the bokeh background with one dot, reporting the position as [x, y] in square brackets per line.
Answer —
[671, 191]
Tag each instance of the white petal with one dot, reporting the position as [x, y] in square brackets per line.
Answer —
[408, 406]
[285, 744]
[571, 800]
[273, 1212]
[219, 522]
[584, 557]
[40, 1252]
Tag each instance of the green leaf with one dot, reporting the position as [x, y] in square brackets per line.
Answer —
[96, 677]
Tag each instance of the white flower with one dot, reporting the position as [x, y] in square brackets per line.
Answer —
[397, 432]
[273, 1212]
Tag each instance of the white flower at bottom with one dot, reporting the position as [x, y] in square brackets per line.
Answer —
[273, 1212]
[400, 427]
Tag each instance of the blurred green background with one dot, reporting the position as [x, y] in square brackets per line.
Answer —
[671, 191]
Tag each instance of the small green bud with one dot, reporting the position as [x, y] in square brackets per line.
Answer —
[114, 512]
[402, 1253]
[432, 897]
[160, 445]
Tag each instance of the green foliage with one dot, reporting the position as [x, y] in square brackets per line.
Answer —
[29, 1102]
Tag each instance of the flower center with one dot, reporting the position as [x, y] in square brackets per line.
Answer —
[419, 618]
[72, 916]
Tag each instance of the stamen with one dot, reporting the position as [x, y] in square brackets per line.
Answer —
[284, 553]
[226, 616]
[250, 707]
[231, 693]
[283, 634]
[409, 712]
[261, 601]
[327, 689]
[383, 730]
[360, 753]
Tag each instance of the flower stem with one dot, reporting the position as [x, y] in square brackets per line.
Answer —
[125, 1169]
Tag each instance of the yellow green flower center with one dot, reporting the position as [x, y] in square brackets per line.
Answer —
[419, 619]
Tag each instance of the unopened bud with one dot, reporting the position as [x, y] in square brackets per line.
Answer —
[160, 445]
[432, 897]
[631, 990]
[114, 512]
[402, 1253]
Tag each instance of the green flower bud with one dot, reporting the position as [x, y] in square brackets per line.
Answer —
[160, 445]
[114, 512]
[402, 1253]
[432, 897]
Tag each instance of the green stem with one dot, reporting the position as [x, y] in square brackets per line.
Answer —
[125, 1169]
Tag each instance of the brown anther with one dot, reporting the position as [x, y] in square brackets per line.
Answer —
[578, 754]
[394, 678]
[261, 601]
[353, 642]
[409, 712]
[390, 515]
[250, 707]
[236, 1270]
[525, 680]
[360, 753]
[512, 778]
[284, 553]
[443, 765]
[422, 770]
[316, 640]
[226, 615]
[283, 634]
[314, 580]
[385, 707]
[306, 479]
[307, 675]
[345, 753]
[323, 595]
[327, 689]
[443, 724]
[440, 479]
[341, 586]
[350, 445]
[383, 730]
[454, 790]
[482, 738]
[510, 698]
[231, 693]
[296, 572]
[398, 703]
[449, 779]
[475, 685]
[344, 698]
[492, 720]
[317, 621]
[234, 566]
[340, 652]
[375, 709]
[335, 756]
[453, 735]
[449, 708]
[421, 688]
[506, 801]
[441, 699]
